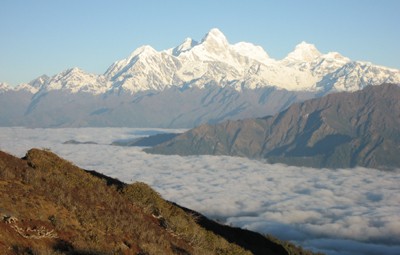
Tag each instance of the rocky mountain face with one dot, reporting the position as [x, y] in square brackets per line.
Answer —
[49, 206]
[338, 130]
[193, 83]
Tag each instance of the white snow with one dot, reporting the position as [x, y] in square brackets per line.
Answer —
[76, 80]
[241, 65]
[26, 87]
[215, 60]
[185, 46]
[4, 87]
[215, 37]
[335, 56]
[304, 52]
[252, 51]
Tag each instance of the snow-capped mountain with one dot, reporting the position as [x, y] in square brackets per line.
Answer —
[34, 85]
[209, 80]
[242, 65]
[75, 80]
[304, 52]
[214, 60]
[4, 87]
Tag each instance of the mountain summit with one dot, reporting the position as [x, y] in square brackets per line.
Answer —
[215, 38]
[304, 52]
[215, 60]
[196, 82]
[185, 46]
[243, 66]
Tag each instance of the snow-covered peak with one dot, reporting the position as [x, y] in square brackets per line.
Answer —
[355, 75]
[185, 46]
[304, 52]
[72, 71]
[4, 87]
[26, 87]
[124, 64]
[39, 81]
[335, 56]
[251, 51]
[67, 75]
[76, 80]
[215, 38]
[34, 85]
[144, 50]
[215, 61]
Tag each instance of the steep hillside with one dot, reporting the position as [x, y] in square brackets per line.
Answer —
[338, 130]
[49, 206]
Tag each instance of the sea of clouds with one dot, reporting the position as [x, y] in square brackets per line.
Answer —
[342, 211]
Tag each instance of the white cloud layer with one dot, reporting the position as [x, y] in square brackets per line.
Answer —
[344, 211]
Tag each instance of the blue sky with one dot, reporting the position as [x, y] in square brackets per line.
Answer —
[47, 36]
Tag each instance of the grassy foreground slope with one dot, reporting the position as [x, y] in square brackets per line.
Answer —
[50, 206]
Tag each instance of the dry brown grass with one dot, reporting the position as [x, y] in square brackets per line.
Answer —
[90, 217]
[62, 209]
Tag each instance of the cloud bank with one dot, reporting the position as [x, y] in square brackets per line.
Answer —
[343, 211]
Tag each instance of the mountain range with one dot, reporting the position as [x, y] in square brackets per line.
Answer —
[339, 130]
[193, 83]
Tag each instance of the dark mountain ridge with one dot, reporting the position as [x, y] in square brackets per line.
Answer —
[338, 130]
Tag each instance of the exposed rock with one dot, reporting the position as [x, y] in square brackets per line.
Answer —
[338, 130]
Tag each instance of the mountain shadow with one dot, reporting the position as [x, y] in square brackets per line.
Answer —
[338, 130]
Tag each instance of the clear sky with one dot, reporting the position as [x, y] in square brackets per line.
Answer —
[48, 36]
